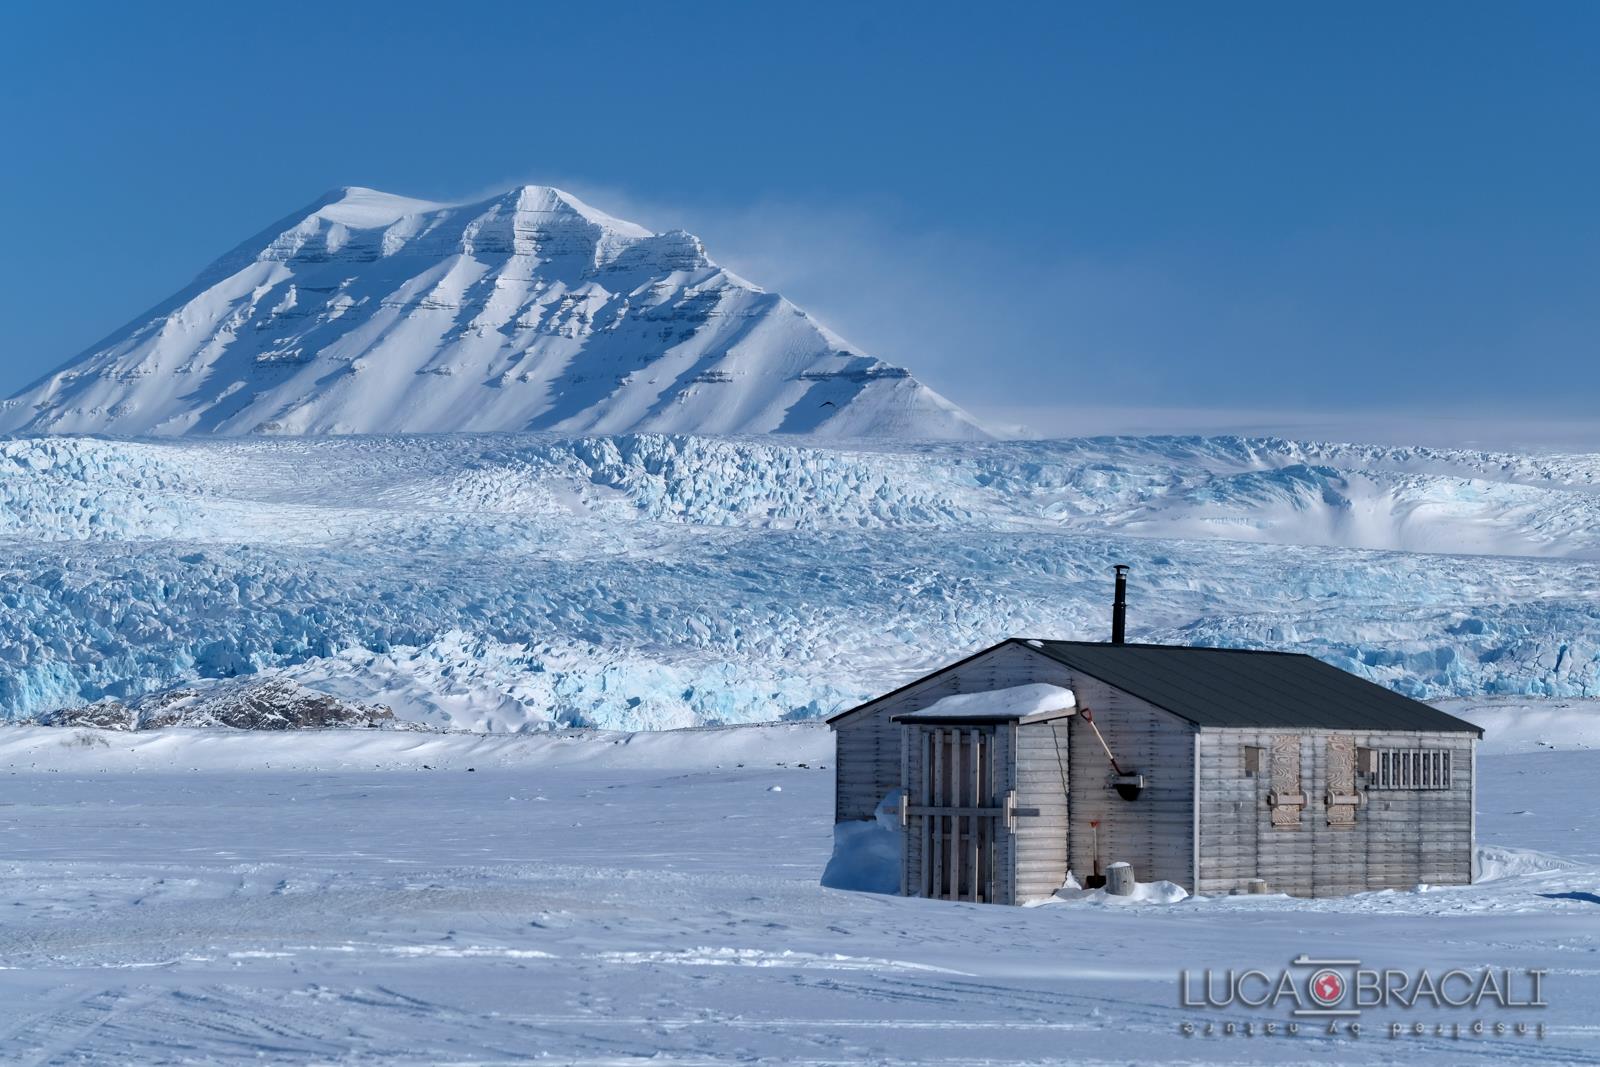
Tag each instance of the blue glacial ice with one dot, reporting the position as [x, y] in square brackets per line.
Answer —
[509, 582]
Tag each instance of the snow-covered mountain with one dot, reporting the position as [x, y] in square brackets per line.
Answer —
[374, 313]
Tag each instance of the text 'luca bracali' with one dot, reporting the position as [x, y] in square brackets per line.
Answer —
[1339, 997]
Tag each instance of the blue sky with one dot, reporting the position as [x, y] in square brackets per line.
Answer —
[1208, 214]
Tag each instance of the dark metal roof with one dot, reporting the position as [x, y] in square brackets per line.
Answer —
[1243, 687]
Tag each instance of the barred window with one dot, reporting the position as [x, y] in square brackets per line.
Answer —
[1412, 768]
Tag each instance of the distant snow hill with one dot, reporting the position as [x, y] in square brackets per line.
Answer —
[374, 313]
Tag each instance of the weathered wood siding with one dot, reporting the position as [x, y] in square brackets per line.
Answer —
[1397, 839]
[915, 778]
[867, 753]
[1041, 778]
[1155, 833]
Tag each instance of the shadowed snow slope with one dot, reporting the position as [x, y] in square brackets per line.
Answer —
[500, 582]
[372, 313]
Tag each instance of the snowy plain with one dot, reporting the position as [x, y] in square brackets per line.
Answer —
[203, 896]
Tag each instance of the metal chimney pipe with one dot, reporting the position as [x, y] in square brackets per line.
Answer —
[1119, 607]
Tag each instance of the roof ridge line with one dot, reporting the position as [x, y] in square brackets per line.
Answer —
[1175, 648]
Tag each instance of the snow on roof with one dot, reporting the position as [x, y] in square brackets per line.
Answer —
[997, 705]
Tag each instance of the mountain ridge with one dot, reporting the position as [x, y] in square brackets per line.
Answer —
[368, 312]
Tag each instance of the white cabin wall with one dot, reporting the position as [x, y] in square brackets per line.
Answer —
[1039, 843]
[1155, 833]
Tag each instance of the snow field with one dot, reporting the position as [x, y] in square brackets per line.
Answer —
[605, 899]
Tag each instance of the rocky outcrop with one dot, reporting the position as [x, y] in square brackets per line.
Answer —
[250, 704]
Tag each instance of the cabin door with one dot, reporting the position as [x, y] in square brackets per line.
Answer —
[954, 815]
[1339, 862]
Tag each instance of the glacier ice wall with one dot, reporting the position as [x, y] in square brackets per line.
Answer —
[501, 582]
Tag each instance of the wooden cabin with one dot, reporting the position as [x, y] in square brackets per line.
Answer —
[1211, 768]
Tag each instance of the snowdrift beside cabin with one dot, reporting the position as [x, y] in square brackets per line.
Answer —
[867, 853]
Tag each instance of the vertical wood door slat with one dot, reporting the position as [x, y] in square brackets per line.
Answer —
[905, 803]
[958, 825]
[992, 843]
[955, 820]
[937, 820]
[997, 831]
[925, 746]
[974, 867]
